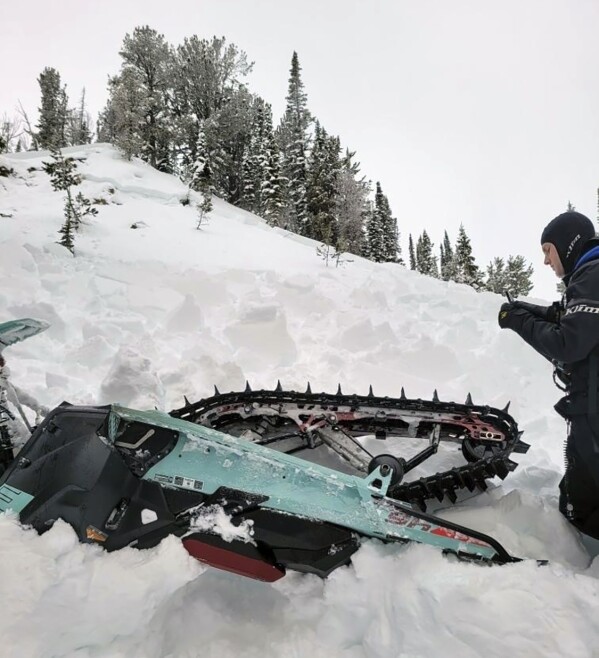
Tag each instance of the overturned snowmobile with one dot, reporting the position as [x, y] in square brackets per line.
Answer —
[122, 477]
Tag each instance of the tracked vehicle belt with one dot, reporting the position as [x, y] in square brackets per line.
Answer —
[294, 421]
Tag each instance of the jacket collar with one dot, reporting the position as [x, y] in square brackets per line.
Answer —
[588, 256]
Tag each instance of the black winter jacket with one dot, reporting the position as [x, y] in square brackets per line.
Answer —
[572, 343]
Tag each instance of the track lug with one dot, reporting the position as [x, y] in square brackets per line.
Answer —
[216, 391]
[279, 388]
[435, 396]
[521, 447]
[403, 394]
[370, 393]
[469, 400]
[502, 469]
[506, 408]
[469, 481]
[339, 392]
[308, 389]
[248, 388]
[451, 494]
[187, 402]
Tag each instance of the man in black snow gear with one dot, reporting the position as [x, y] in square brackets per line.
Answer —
[567, 334]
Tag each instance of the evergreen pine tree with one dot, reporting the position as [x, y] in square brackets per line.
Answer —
[79, 131]
[411, 253]
[147, 64]
[392, 247]
[201, 177]
[273, 184]
[292, 136]
[447, 263]
[466, 269]
[207, 88]
[375, 240]
[322, 176]
[351, 206]
[390, 250]
[63, 177]
[53, 113]
[496, 276]
[252, 163]
[518, 276]
[124, 115]
[426, 262]
[67, 237]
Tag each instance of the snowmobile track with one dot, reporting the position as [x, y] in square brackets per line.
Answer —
[299, 421]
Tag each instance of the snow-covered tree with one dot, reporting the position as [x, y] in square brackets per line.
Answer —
[496, 276]
[426, 262]
[53, 112]
[227, 136]
[466, 269]
[79, 123]
[206, 73]
[293, 139]
[142, 98]
[411, 253]
[273, 184]
[518, 276]
[375, 241]
[447, 261]
[10, 134]
[123, 119]
[254, 159]
[322, 176]
[201, 177]
[207, 88]
[351, 206]
[381, 231]
[63, 177]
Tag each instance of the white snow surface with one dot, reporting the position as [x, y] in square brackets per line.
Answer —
[143, 316]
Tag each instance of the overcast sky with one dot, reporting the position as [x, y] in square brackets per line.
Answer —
[484, 112]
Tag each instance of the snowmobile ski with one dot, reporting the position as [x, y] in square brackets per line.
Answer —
[13, 331]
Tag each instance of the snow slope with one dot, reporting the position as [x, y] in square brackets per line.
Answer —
[143, 316]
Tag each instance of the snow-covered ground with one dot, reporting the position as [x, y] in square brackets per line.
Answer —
[145, 315]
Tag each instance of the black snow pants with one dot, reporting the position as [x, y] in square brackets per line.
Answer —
[579, 488]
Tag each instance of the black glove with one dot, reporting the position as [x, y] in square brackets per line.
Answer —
[506, 310]
[548, 313]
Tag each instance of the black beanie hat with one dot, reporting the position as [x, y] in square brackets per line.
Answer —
[569, 232]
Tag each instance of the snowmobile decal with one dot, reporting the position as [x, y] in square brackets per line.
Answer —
[13, 499]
